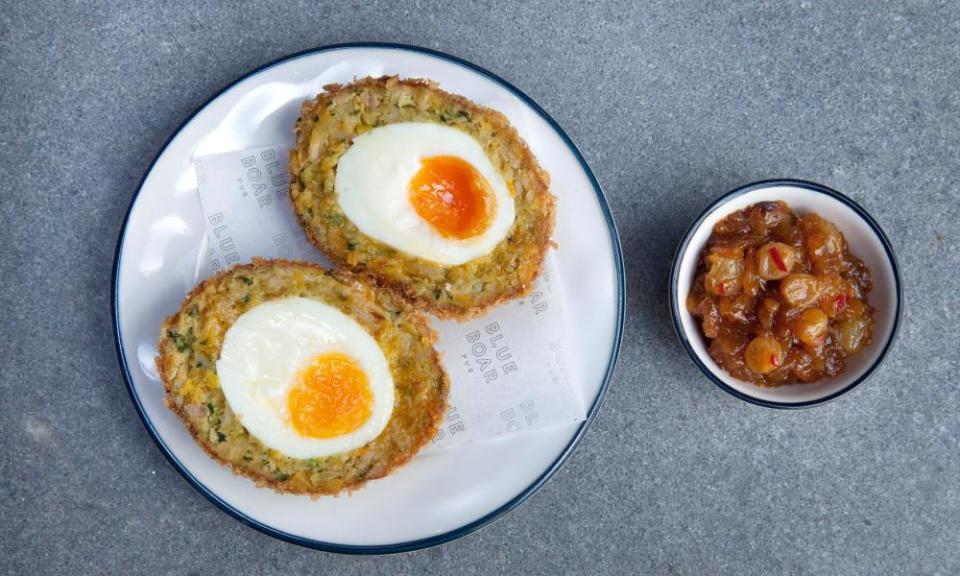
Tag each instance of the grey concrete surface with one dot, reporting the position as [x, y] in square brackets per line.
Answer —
[672, 103]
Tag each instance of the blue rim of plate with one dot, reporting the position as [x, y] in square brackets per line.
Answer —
[491, 516]
[675, 309]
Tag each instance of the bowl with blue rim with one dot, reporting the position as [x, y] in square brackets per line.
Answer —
[865, 239]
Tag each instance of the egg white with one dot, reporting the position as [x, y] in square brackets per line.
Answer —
[372, 189]
[270, 344]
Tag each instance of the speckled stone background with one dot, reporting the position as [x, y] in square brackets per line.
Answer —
[672, 104]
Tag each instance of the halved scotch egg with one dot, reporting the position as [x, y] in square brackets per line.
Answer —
[305, 380]
[430, 194]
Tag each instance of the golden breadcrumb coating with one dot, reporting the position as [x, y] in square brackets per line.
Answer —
[190, 344]
[326, 129]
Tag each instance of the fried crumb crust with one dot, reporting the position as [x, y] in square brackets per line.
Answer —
[190, 344]
[324, 132]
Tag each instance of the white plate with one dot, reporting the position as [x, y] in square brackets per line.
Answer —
[437, 497]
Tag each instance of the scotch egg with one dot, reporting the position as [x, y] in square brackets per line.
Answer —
[306, 380]
[429, 193]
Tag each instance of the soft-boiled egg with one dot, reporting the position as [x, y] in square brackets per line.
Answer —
[426, 189]
[305, 379]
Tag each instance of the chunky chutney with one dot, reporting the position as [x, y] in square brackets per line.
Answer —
[779, 297]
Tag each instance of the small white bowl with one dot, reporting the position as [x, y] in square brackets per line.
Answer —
[866, 241]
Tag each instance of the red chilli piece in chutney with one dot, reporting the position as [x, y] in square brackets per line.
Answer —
[841, 303]
[778, 259]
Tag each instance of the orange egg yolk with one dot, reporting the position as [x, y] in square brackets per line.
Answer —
[450, 194]
[330, 398]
